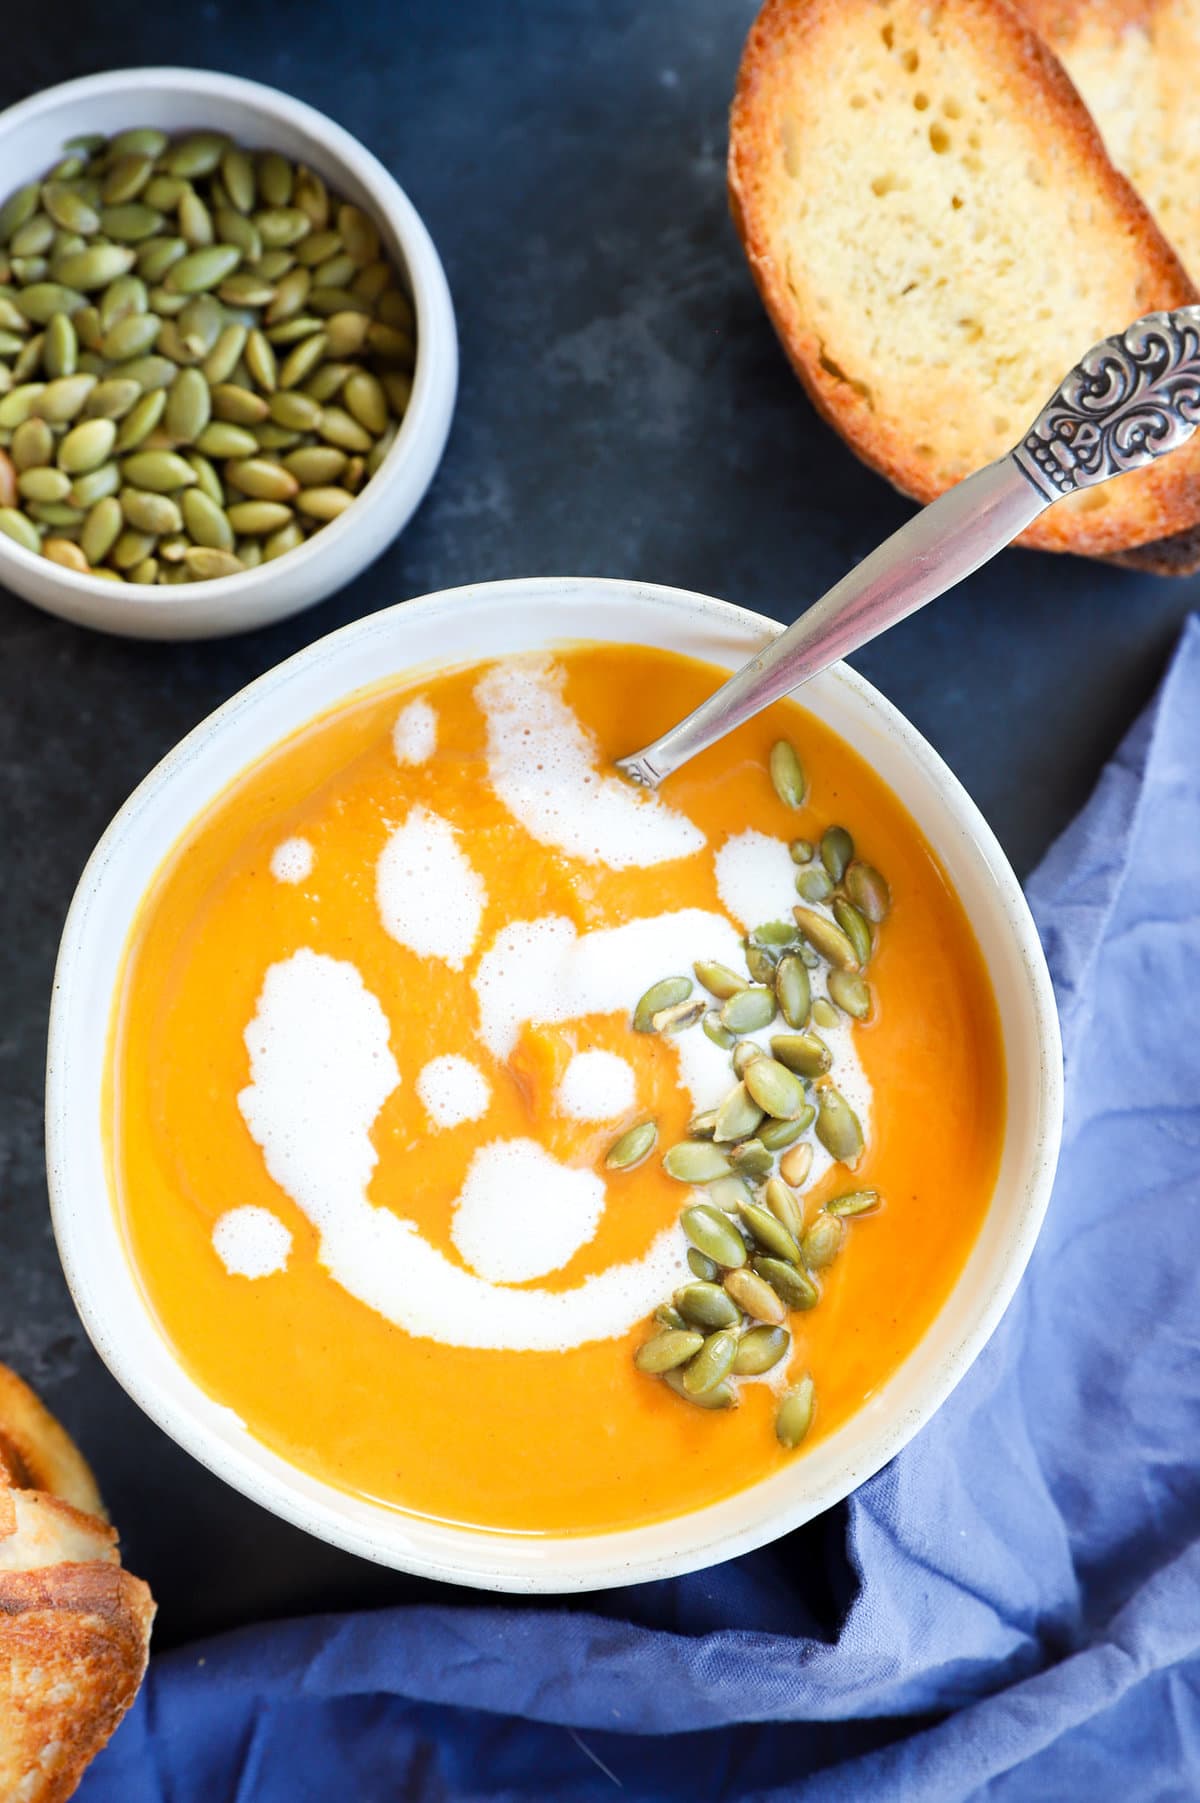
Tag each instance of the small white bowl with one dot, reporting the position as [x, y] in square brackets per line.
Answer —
[31, 140]
[482, 622]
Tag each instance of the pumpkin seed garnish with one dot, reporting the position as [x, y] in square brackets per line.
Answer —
[755, 1297]
[663, 994]
[667, 1020]
[805, 1053]
[701, 1267]
[667, 1315]
[801, 850]
[728, 1193]
[855, 927]
[787, 774]
[760, 1350]
[824, 1013]
[712, 1364]
[776, 1136]
[720, 1396]
[717, 1031]
[796, 1164]
[851, 992]
[797, 1288]
[746, 1012]
[703, 1126]
[814, 884]
[837, 849]
[737, 1117]
[667, 1350]
[827, 938]
[793, 991]
[696, 1161]
[744, 1055]
[857, 1202]
[795, 1413]
[838, 1127]
[784, 1205]
[712, 1233]
[775, 1089]
[634, 1145]
[770, 1233]
[706, 1304]
[868, 891]
[822, 1241]
[751, 1158]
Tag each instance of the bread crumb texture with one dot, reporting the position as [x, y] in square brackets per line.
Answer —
[938, 235]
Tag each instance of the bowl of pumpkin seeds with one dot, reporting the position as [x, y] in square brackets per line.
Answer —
[228, 357]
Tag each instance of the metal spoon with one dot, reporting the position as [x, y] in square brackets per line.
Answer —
[1133, 398]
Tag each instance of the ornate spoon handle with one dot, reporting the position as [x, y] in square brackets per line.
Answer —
[1132, 398]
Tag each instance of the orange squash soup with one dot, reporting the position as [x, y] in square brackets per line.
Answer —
[519, 1150]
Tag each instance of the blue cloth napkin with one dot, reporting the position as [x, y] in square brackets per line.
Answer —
[1011, 1609]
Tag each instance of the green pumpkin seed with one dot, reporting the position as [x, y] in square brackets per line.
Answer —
[760, 1350]
[793, 1285]
[95, 267]
[346, 333]
[633, 1146]
[327, 504]
[29, 360]
[794, 1416]
[221, 439]
[256, 518]
[86, 490]
[22, 531]
[14, 213]
[28, 269]
[237, 173]
[668, 1316]
[159, 471]
[776, 933]
[694, 1161]
[856, 1202]
[851, 992]
[775, 1089]
[101, 529]
[660, 995]
[338, 428]
[855, 927]
[11, 317]
[787, 774]
[805, 1053]
[288, 538]
[744, 1055]
[384, 341]
[868, 891]
[141, 420]
[710, 1232]
[207, 479]
[32, 444]
[206, 521]
[372, 283]
[704, 1268]
[838, 1127]
[260, 361]
[358, 233]
[760, 964]
[667, 1350]
[131, 548]
[822, 1242]
[156, 256]
[785, 1206]
[793, 991]
[837, 849]
[729, 1193]
[814, 884]
[163, 193]
[751, 1158]
[197, 154]
[139, 141]
[206, 564]
[203, 269]
[315, 465]
[290, 297]
[824, 1014]
[131, 223]
[317, 248]
[33, 239]
[189, 404]
[706, 1305]
[737, 1117]
[716, 1030]
[63, 399]
[720, 1396]
[796, 1164]
[754, 1295]
[270, 437]
[42, 300]
[298, 365]
[291, 331]
[246, 290]
[144, 572]
[60, 354]
[749, 1010]
[87, 446]
[776, 1136]
[328, 381]
[281, 227]
[225, 355]
[200, 324]
[126, 295]
[43, 484]
[126, 178]
[366, 400]
[337, 272]
[718, 979]
[712, 1364]
[770, 1233]
[19, 403]
[801, 850]
[69, 210]
[827, 938]
[311, 196]
[148, 512]
[131, 337]
[195, 222]
[58, 514]
[262, 480]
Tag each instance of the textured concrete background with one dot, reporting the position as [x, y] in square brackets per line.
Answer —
[624, 411]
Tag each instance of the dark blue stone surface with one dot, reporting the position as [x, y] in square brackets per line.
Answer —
[624, 410]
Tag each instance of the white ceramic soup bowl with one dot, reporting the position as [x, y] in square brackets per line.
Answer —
[459, 626]
[32, 135]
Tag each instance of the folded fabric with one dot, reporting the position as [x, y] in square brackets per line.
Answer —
[1011, 1608]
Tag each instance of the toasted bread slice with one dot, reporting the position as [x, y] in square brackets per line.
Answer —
[36, 1453]
[73, 1645]
[938, 235]
[37, 1530]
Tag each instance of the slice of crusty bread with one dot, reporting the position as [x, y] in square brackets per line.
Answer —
[37, 1453]
[938, 235]
[1136, 64]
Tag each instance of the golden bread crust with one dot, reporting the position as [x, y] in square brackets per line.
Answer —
[37, 1452]
[73, 1648]
[1043, 216]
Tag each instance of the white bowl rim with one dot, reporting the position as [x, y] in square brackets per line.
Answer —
[607, 1562]
[435, 375]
